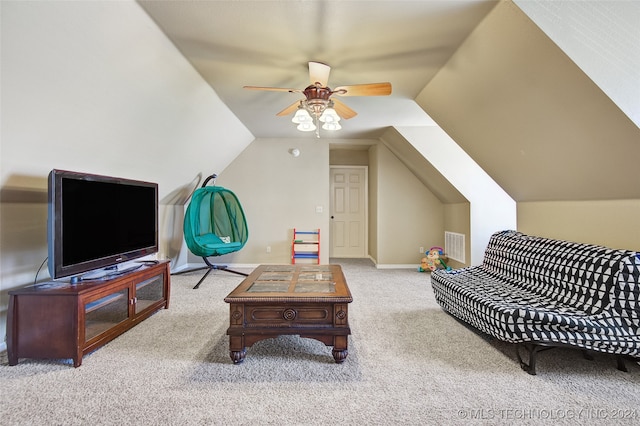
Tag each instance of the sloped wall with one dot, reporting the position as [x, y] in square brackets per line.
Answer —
[96, 87]
[408, 215]
[602, 38]
[533, 120]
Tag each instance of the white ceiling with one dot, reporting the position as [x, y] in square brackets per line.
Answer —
[269, 43]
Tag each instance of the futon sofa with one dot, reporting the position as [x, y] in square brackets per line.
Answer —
[540, 293]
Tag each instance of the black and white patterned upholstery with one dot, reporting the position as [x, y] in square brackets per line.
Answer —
[539, 290]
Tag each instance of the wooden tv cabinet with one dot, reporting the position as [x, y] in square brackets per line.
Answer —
[58, 320]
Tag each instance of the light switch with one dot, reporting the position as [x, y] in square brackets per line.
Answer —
[318, 209]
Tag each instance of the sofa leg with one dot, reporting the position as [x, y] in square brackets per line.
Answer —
[533, 350]
[621, 365]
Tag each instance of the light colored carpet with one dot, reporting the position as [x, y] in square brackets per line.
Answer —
[409, 363]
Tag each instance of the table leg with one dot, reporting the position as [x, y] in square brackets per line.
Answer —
[340, 351]
[237, 356]
[237, 350]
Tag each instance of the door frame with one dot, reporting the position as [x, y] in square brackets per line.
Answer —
[366, 209]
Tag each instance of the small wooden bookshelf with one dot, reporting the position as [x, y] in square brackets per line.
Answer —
[305, 245]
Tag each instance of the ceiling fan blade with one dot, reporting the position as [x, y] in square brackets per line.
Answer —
[290, 109]
[319, 73]
[371, 89]
[273, 89]
[343, 110]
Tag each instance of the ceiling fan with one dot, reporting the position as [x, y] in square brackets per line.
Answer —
[319, 105]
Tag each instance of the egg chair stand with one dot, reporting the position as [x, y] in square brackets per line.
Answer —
[210, 267]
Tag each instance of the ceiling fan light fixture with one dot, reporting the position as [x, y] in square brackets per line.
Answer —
[307, 126]
[302, 116]
[329, 115]
[333, 125]
[318, 106]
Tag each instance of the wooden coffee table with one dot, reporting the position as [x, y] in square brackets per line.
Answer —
[306, 300]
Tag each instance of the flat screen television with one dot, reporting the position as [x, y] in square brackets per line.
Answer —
[97, 222]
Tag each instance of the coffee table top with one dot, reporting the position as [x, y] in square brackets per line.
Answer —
[296, 283]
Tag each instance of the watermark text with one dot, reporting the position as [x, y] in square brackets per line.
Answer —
[547, 414]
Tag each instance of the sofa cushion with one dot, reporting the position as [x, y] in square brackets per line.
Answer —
[573, 274]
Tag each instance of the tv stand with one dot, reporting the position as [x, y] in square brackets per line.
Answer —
[57, 320]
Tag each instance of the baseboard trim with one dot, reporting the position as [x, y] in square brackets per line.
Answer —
[397, 266]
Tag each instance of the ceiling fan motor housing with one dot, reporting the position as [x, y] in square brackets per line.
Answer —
[317, 97]
[317, 92]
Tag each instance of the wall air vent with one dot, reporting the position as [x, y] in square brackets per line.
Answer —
[454, 246]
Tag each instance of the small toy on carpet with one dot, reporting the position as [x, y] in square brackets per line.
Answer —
[433, 261]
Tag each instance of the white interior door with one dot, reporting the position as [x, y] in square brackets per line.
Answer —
[348, 212]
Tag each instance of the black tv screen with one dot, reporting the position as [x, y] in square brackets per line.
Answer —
[99, 221]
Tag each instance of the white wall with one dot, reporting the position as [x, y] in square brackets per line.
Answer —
[279, 192]
[96, 87]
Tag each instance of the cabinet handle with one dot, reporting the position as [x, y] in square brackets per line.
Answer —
[133, 301]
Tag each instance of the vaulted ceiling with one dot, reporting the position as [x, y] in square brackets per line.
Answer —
[482, 70]
[269, 43]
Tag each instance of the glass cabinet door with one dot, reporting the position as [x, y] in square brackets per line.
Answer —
[149, 292]
[103, 313]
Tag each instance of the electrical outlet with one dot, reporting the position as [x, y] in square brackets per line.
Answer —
[421, 250]
[268, 249]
